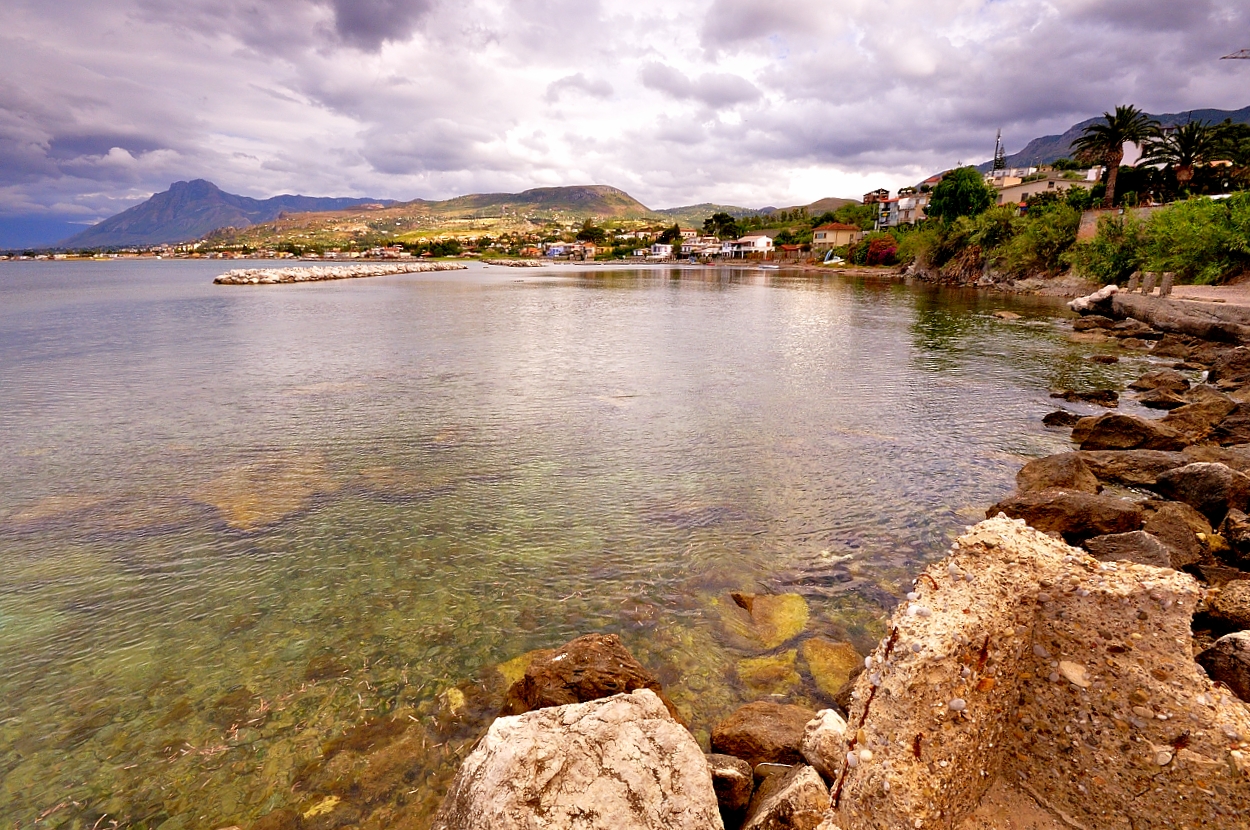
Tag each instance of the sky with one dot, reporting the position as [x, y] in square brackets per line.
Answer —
[745, 102]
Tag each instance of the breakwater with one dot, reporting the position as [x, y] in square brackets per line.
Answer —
[275, 276]
[514, 263]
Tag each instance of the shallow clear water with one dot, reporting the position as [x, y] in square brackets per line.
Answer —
[236, 522]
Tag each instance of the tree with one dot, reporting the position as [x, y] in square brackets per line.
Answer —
[961, 192]
[671, 236]
[591, 233]
[1188, 146]
[722, 226]
[1103, 142]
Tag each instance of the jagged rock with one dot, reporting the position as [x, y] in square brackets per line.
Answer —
[1060, 418]
[831, 664]
[611, 764]
[823, 743]
[1136, 343]
[767, 620]
[1065, 471]
[591, 667]
[1202, 392]
[1076, 516]
[1161, 399]
[1228, 661]
[763, 732]
[1048, 670]
[1210, 488]
[1132, 467]
[1137, 546]
[733, 782]
[1172, 345]
[1236, 531]
[1106, 359]
[1237, 457]
[1126, 432]
[1196, 421]
[1234, 428]
[1168, 379]
[1092, 322]
[1100, 397]
[1231, 605]
[1177, 525]
[794, 801]
[1135, 329]
[1232, 367]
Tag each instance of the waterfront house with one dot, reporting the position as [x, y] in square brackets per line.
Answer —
[661, 251]
[758, 245]
[835, 235]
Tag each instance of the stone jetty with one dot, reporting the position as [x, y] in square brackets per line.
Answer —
[276, 276]
[514, 263]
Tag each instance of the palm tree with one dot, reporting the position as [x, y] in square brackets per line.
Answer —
[1234, 147]
[1188, 146]
[1103, 141]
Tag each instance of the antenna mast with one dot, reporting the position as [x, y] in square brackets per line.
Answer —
[1000, 152]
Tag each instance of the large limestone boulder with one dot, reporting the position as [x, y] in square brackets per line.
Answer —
[1025, 661]
[614, 764]
[1127, 432]
[591, 667]
[1132, 467]
[1065, 471]
[1228, 661]
[1074, 515]
[1208, 487]
[796, 800]
[763, 732]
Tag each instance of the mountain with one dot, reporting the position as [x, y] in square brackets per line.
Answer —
[190, 210]
[582, 201]
[1048, 148]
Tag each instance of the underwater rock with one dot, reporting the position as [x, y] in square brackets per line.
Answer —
[763, 732]
[831, 664]
[591, 667]
[733, 782]
[513, 670]
[266, 492]
[1076, 516]
[1050, 671]
[1066, 471]
[767, 620]
[773, 674]
[1060, 418]
[1099, 397]
[824, 744]
[614, 764]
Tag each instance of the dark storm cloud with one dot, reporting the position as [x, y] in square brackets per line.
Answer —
[102, 103]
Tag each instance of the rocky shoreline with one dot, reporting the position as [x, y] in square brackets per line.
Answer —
[1080, 659]
[276, 276]
[514, 263]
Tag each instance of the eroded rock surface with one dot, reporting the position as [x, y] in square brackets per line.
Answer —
[1066, 470]
[733, 781]
[614, 764]
[1076, 516]
[796, 800]
[1064, 676]
[1228, 661]
[763, 732]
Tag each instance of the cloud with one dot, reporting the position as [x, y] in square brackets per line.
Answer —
[717, 89]
[675, 101]
[596, 88]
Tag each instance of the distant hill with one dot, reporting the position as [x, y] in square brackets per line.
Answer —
[1048, 148]
[693, 215]
[582, 201]
[817, 207]
[190, 210]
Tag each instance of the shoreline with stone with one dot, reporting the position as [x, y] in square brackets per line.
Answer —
[280, 276]
[514, 263]
[1047, 670]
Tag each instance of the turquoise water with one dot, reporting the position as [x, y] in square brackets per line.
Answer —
[263, 547]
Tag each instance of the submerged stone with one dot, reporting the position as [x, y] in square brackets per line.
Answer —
[832, 664]
[772, 674]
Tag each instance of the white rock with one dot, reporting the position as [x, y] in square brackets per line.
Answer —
[618, 763]
[824, 742]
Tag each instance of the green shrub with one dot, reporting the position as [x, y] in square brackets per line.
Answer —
[1115, 252]
[1041, 242]
[1200, 240]
[919, 246]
